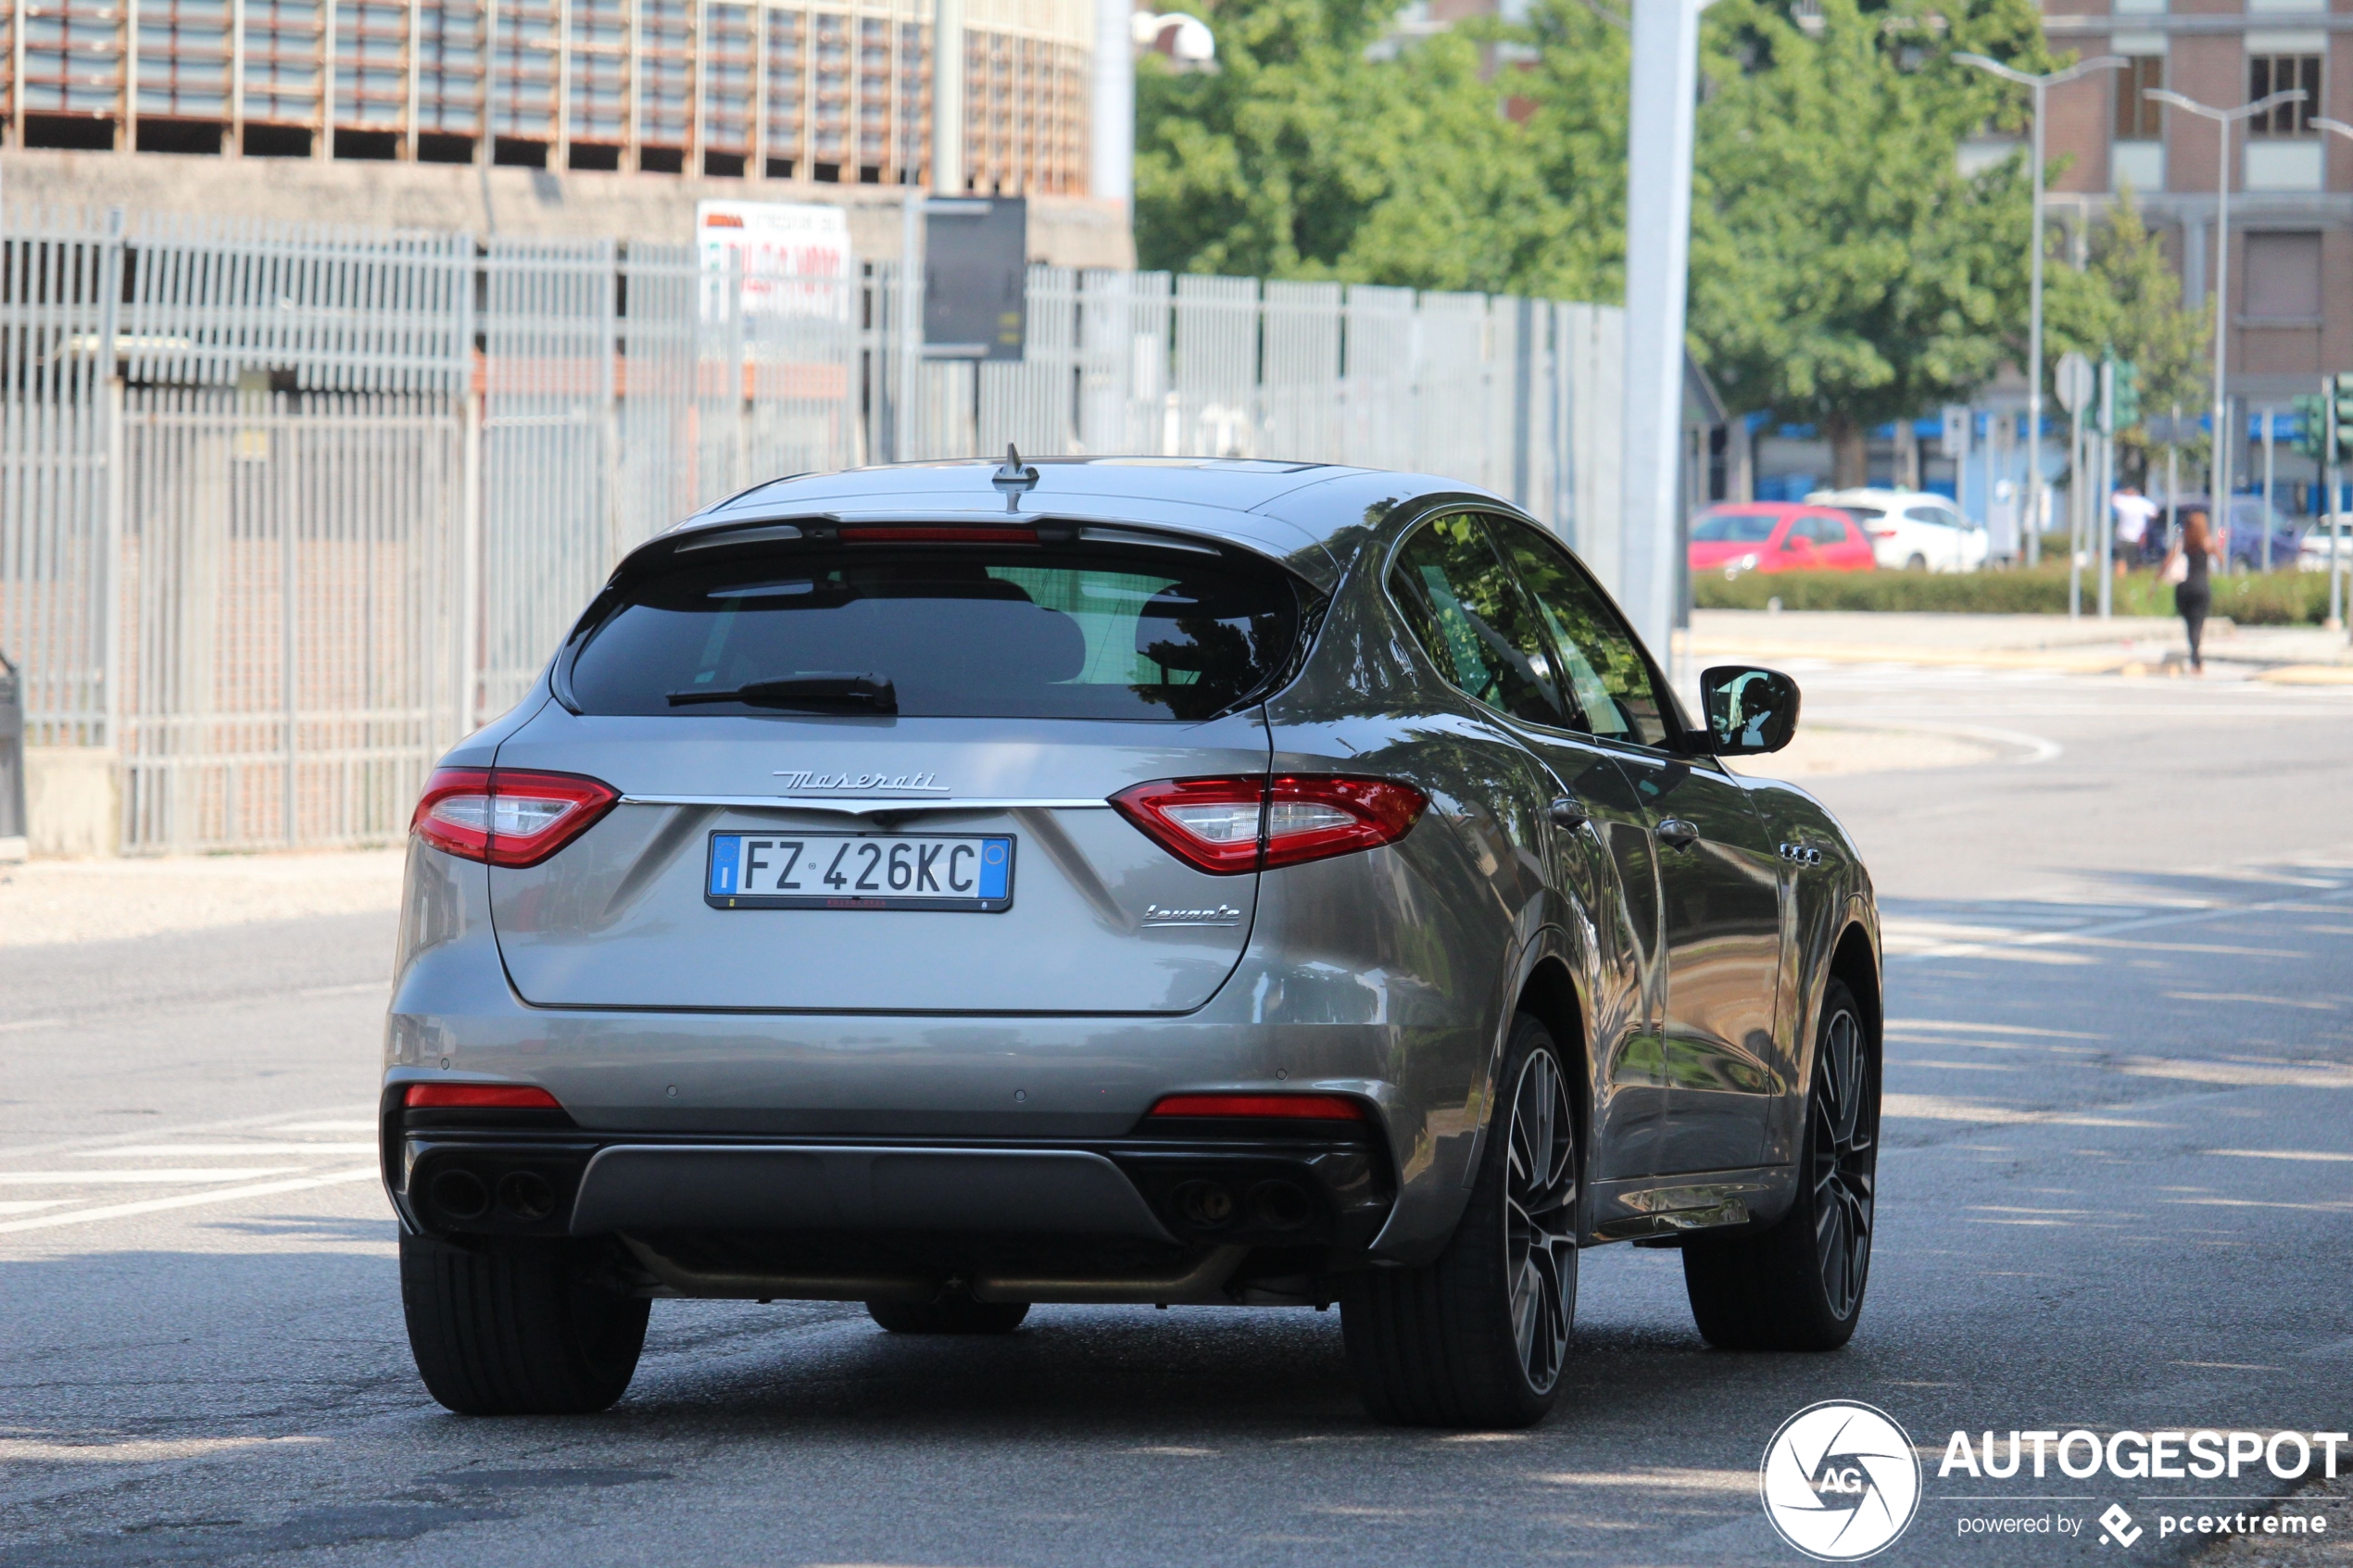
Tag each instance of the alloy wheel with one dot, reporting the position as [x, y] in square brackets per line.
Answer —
[1845, 1163]
[1540, 1238]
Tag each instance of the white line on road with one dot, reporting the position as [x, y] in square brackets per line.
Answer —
[31, 1023]
[152, 1150]
[187, 1200]
[77, 1178]
[2281, 1154]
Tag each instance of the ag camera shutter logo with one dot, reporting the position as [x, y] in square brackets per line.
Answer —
[1840, 1481]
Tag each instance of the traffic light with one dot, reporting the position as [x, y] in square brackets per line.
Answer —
[2312, 426]
[2128, 394]
[2341, 415]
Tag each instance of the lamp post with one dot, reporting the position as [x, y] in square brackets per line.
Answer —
[2040, 84]
[2222, 119]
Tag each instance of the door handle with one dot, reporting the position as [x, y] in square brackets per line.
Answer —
[1679, 832]
[1567, 812]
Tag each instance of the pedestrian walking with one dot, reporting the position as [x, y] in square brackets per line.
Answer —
[2187, 567]
[2132, 511]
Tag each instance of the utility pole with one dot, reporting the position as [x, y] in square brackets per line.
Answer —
[1658, 233]
[2266, 490]
[2106, 487]
[2223, 119]
[2041, 85]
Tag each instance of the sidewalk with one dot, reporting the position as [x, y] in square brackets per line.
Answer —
[2126, 645]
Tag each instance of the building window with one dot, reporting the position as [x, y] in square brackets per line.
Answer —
[2283, 278]
[2267, 74]
[2136, 117]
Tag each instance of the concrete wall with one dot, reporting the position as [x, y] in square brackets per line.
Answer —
[1066, 230]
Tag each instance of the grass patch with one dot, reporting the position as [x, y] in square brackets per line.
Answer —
[2282, 598]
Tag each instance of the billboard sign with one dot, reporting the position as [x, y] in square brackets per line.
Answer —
[795, 255]
[975, 277]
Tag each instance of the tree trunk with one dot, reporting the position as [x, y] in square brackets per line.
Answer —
[1850, 456]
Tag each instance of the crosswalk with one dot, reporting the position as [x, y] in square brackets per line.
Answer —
[105, 1179]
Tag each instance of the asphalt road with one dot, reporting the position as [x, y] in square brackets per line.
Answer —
[2115, 1196]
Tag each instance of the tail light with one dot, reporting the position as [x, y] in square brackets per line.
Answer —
[1230, 826]
[479, 1097]
[1302, 1108]
[504, 816]
[1883, 533]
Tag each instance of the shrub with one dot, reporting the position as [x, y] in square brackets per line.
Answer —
[2282, 598]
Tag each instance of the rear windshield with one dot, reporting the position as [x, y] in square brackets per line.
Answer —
[970, 632]
[1734, 528]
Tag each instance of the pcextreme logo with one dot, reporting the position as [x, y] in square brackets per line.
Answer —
[1840, 1481]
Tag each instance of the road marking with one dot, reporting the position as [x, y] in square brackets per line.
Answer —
[77, 1178]
[382, 985]
[2281, 1154]
[187, 1200]
[136, 1450]
[274, 1121]
[31, 1023]
[2251, 997]
[152, 1150]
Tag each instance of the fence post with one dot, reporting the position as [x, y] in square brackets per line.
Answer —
[12, 825]
[469, 571]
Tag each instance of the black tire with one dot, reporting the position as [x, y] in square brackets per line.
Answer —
[1798, 1286]
[955, 1314]
[532, 1329]
[1478, 1337]
[1918, 563]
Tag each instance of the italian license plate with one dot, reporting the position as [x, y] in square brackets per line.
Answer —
[849, 870]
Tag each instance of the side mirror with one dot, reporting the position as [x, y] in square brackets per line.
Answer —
[1749, 710]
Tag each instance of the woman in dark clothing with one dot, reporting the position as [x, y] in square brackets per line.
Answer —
[2193, 596]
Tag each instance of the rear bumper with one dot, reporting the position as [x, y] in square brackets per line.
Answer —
[1186, 1218]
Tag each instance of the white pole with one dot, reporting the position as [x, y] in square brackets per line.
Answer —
[2097, 513]
[2267, 489]
[1112, 167]
[1658, 223]
[947, 98]
[2035, 366]
[2222, 337]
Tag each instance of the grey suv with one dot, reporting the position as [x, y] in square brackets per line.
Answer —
[1122, 880]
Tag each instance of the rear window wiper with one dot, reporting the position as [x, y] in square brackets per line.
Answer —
[825, 690]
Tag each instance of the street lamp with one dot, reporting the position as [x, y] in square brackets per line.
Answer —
[2040, 84]
[2222, 119]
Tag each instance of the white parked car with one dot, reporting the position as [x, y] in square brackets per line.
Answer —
[1911, 530]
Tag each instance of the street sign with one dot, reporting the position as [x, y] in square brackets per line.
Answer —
[2128, 396]
[2075, 382]
[1957, 429]
[975, 277]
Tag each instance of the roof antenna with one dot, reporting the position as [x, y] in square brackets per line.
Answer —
[1014, 479]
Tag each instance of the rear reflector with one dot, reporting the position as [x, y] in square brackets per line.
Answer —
[479, 1097]
[939, 536]
[1298, 1107]
[506, 816]
[1230, 826]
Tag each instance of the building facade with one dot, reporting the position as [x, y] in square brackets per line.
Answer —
[838, 93]
[2289, 308]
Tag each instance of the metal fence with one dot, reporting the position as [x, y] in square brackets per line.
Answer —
[282, 512]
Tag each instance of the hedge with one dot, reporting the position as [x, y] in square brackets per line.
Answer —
[2282, 598]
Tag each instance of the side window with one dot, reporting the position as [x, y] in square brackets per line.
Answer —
[1604, 667]
[1470, 615]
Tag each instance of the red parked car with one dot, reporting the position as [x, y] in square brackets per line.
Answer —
[1778, 536]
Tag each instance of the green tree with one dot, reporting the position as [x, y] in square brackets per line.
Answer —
[1844, 271]
[1301, 157]
[2129, 298]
